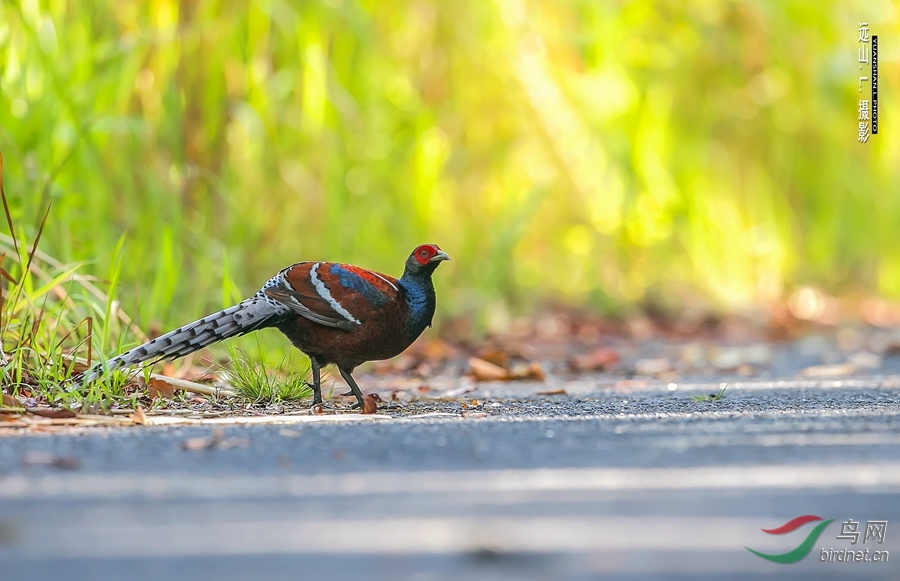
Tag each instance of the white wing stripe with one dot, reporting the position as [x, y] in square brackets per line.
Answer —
[326, 294]
[387, 281]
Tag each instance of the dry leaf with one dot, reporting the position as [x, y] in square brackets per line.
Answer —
[553, 392]
[216, 440]
[52, 413]
[486, 371]
[370, 404]
[494, 355]
[829, 370]
[10, 402]
[194, 444]
[437, 350]
[531, 370]
[598, 360]
[10, 421]
[535, 371]
[138, 416]
[160, 388]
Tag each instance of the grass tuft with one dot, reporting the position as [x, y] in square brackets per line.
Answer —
[53, 323]
[718, 396]
[254, 381]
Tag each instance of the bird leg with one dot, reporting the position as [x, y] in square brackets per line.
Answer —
[317, 381]
[354, 389]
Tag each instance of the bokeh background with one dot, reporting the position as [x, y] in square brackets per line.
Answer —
[610, 154]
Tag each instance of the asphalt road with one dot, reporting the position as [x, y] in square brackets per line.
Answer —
[599, 484]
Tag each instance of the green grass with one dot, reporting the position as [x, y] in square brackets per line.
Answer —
[718, 396]
[55, 322]
[619, 155]
[604, 153]
[51, 317]
[260, 383]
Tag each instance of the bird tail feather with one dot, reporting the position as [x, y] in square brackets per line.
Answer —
[249, 315]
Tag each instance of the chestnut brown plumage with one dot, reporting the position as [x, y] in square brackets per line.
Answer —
[335, 313]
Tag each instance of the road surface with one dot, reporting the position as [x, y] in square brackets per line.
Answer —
[593, 484]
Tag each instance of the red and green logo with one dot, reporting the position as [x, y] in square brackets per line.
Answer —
[803, 548]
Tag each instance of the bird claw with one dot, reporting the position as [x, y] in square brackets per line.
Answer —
[349, 393]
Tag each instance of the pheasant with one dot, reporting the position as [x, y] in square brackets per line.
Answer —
[334, 313]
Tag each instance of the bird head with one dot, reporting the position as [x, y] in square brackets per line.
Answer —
[425, 258]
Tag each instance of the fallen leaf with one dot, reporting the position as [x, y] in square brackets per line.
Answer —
[9, 421]
[494, 355]
[216, 440]
[553, 392]
[10, 402]
[194, 444]
[138, 416]
[485, 370]
[598, 360]
[52, 413]
[370, 404]
[437, 350]
[838, 370]
[41, 458]
[160, 388]
[535, 371]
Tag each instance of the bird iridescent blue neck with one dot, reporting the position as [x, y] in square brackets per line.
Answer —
[419, 292]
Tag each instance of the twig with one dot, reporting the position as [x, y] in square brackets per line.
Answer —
[195, 387]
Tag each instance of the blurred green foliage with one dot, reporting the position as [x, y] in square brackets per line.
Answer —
[583, 151]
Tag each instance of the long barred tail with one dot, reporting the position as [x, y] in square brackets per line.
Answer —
[246, 316]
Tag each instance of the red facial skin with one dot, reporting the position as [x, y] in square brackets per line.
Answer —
[426, 252]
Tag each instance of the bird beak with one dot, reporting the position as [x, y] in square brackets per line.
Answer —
[441, 255]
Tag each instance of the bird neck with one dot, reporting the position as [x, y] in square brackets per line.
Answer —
[419, 293]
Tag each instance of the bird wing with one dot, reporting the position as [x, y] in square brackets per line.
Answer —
[334, 295]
